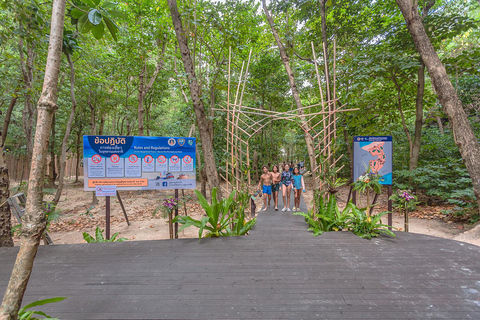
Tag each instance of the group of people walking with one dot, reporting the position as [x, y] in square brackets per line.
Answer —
[274, 181]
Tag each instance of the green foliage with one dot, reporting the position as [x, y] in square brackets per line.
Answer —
[99, 238]
[326, 216]
[446, 180]
[219, 215]
[93, 16]
[25, 314]
[365, 226]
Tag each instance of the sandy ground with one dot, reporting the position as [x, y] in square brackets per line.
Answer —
[78, 216]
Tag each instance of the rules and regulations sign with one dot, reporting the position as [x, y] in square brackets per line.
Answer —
[375, 152]
[139, 163]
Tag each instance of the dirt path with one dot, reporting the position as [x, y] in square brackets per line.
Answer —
[77, 216]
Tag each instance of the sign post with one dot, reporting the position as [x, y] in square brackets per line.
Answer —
[138, 163]
[106, 191]
[376, 153]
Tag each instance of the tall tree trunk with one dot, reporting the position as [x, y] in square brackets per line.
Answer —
[34, 221]
[92, 132]
[63, 161]
[402, 116]
[464, 136]
[27, 72]
[8, 117]
[102, 124]
[417, 136]
[296, 96]
[349, 149]
[77, 164]
[143, 88]
[202, 121]
[5, 214]
[51, 164]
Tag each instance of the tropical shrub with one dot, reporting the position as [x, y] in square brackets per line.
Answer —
[366, 226]
[100, 238]
[220, 215]
[444, 181]
[326, 216]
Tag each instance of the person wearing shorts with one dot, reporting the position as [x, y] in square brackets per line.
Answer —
[286, 182]
[266, 180]
[276, 177]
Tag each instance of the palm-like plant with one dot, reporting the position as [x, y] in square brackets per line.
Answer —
[219, 216]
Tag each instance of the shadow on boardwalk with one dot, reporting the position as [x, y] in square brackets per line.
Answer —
[279, 271]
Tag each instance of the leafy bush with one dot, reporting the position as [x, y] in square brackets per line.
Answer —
[442, 181]
[326, 216]
[365, 226]
[100, 238]
[23, 314]
[220, 214]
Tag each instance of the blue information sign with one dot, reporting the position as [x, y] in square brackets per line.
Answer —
[376, 152]
[139, 163]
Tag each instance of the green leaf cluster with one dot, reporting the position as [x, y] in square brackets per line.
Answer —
[99, 238]
[25, 314]
[326, 216]
[90, 15]
[219, 216]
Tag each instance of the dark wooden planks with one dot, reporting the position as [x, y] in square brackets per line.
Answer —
[279, 271]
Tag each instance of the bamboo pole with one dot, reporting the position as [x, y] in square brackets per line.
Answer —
[327, 76]
[319, 88]
[234, 143]
[248, 164]
[241, 129]
[334, 90]
[228, 112]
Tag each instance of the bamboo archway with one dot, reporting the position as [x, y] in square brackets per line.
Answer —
[241, 126]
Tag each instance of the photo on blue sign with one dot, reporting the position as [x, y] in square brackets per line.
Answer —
[139, 163]
[376, 153]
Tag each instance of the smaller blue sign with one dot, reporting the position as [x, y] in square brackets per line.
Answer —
[106, 191]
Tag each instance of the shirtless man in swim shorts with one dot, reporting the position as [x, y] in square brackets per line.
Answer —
[266, 180]
[276, 176]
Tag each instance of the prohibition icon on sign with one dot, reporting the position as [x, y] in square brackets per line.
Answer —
[96, 158]
[162, 159]
[148, 159]
[187, 159]
[174, 159]
[114, 158]
[133, 158]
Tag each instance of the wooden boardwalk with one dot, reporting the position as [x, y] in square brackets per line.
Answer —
[279, 271]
